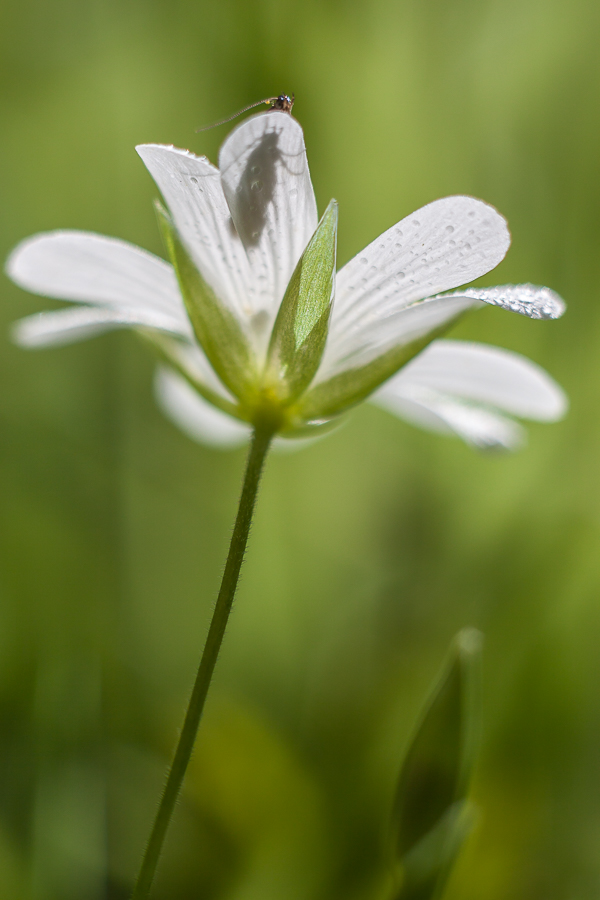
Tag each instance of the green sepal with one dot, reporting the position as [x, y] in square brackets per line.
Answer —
[300, 329]
[430, 815]
[345, 390]
[167, 350]
[216, 328]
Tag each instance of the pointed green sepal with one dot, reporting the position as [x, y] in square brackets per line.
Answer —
[300, 329]
[431, 817]
[216, 328]
[343, 391]
[169, 351]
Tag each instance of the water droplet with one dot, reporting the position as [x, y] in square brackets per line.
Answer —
[467, 246]
[449, 229]
[401, 275]
[416, 222]
[195, 180]
[256, 170]
[364, 260]
[256, 186]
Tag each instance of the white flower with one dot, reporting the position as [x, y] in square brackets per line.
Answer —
[238, 335]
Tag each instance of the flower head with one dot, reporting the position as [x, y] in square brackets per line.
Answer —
[253, 325]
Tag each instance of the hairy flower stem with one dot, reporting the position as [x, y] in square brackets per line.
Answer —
[261, 441]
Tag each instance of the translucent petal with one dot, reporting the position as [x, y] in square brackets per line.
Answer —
[65, 326]
[192, 189]
[398, 328]
[445, 244]
[90, 268]
[196, 418]
[478, 427]
[265, 177]
[527, 299]
[482, 374]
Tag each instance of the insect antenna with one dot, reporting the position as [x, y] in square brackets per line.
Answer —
[282, 102]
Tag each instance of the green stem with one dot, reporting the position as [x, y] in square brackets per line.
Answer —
[256, 457]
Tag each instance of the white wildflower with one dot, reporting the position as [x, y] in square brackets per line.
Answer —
[251, 319]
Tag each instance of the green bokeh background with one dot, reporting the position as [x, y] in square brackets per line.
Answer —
[371, 548]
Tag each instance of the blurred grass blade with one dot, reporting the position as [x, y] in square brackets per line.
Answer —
[300, 330]
[431, 817]
[218, 331]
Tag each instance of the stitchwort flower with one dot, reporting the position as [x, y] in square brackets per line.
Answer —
[252, 323]
[256, 332]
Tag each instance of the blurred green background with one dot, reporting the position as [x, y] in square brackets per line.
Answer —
[371, 548]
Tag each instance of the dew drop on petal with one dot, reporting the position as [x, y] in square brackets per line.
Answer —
[525, 299]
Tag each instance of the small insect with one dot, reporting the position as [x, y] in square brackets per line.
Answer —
[282, 102]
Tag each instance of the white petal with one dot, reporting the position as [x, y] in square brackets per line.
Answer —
[527, 299]
[405, 325]
[478, 427]
[441, 246]
[90, 268]
[192, 189]
[482, 374]
[265, 177]
[196, 418]
[64, 326]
